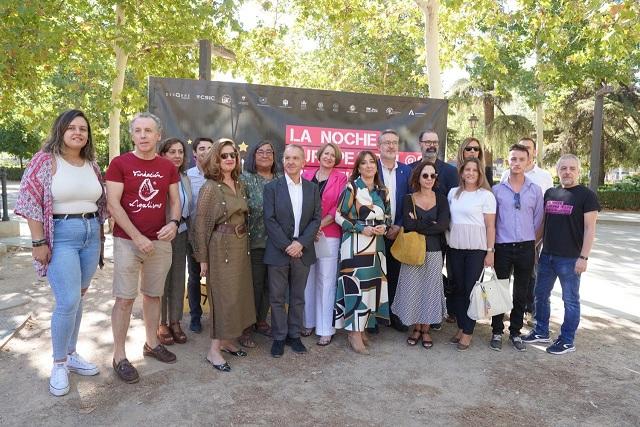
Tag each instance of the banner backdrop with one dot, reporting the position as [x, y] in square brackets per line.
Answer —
[249, 113]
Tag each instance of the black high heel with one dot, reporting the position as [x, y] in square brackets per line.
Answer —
[238, 353]
[225, 367]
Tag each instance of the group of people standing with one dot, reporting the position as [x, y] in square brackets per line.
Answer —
[312, 247]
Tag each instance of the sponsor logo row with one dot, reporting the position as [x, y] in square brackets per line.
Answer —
[285, 103]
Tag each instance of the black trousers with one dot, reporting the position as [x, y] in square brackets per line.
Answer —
[517, 259]
[193, 284]
[466, 267]
[393, 271]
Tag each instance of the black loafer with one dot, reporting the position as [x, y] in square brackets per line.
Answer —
[239, 353]
[296, 345]
[277, 348]
[225, 367]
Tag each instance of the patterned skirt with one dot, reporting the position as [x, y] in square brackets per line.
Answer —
[420, 293]
[362, 294]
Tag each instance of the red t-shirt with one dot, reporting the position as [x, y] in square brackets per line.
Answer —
[145, 193]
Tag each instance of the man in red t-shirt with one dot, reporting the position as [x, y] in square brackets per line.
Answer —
[140, 184]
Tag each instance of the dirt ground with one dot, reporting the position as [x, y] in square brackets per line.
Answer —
[396, 385]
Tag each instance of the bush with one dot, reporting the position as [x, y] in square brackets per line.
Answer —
[13, 173]
[616, 199]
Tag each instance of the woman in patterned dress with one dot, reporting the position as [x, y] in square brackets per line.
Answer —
[363, 214]
[419, 298]
[222, 248]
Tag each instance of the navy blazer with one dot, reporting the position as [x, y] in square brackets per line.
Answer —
[447, 176]
[279, 221]
[403, 176]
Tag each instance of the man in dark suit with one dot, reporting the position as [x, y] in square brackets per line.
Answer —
[447, 174]
[447, 179]
[292, 219]
[395, 176]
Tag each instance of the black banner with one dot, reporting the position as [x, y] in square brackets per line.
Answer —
[248, 113]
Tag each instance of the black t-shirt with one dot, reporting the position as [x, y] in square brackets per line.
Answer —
[564, 210]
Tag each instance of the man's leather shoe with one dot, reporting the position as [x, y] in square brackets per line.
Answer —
[277, 348]
[296, 345]
[373, 331]
[159, 353]
[195, 325]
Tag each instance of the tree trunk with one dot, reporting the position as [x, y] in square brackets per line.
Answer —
[116, 90]
[430, 11]
[540, 133]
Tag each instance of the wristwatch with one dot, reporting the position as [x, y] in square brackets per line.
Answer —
[491, 249]
[176, 222]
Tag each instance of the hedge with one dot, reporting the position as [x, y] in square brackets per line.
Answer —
[625, 200]
[13, 173]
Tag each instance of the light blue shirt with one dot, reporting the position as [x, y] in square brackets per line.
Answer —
[197, 181]
[518, 220]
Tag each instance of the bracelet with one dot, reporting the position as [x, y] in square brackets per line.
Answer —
[37, 243]
[175, 221]
[583, 257]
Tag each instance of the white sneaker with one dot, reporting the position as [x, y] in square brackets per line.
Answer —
[59, 381]
[75, 363]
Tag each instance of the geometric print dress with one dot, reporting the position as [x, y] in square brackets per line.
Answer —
[361, 294]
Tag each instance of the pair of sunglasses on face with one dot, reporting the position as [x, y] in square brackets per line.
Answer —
[476, 149]
[429, 175]
[226, 156]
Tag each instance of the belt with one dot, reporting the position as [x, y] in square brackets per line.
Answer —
[72, 216]
[238, 230]
[516, 244]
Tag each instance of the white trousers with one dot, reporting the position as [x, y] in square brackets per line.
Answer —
[320, 293]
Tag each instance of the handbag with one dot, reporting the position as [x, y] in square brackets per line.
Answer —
[410, 247]
[489, 298]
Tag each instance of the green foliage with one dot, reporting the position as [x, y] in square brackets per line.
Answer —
[629, 183]
[15, 139]
[13, 173]
[625, 200]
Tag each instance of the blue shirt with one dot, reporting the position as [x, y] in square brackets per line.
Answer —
[197, 181]
[518, 215]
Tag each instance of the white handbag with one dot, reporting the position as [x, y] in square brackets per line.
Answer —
[489, 298]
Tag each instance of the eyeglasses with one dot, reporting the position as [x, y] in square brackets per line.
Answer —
[226, 156]
[477, 149]
[394, 142]
[429, 142]
[264, 153]
[429, 175]
[516, 200]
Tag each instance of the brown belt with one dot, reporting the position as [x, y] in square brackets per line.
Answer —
[238, 230]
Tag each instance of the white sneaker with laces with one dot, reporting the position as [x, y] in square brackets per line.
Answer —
[75, 363]
[59, 381]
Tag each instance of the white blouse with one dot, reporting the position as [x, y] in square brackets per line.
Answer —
[467, 227]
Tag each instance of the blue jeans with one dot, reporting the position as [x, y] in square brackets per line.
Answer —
[76, 249]
[551, 267]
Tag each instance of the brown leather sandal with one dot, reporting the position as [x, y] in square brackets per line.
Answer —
[165, 335]
[178, 334]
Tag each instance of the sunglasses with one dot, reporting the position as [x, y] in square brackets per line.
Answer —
[516, 200]
[429, 175]
[472, 149]
[226, 156]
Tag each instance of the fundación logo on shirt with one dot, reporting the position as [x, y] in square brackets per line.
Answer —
[146, 191]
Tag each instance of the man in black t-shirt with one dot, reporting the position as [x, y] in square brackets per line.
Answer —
[570, 214]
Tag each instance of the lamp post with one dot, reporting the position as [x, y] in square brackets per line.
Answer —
[473, 124]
